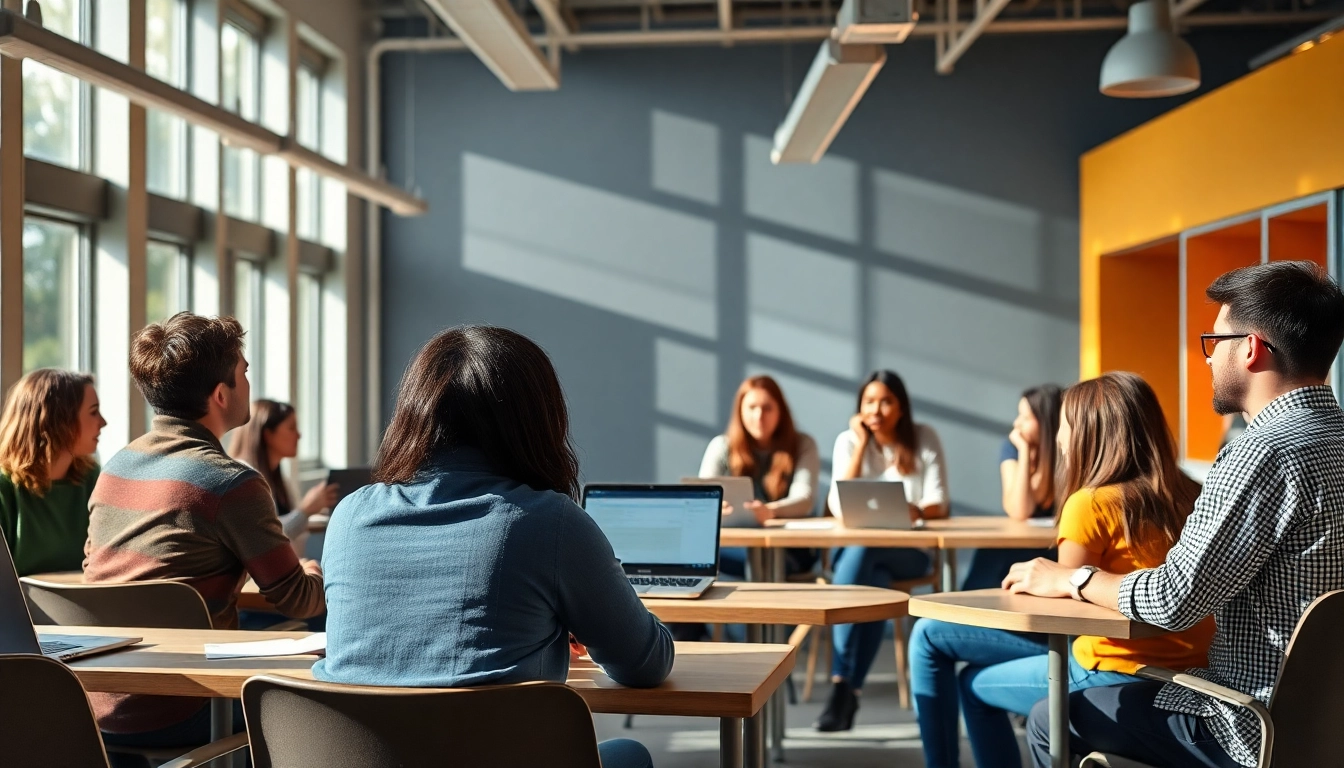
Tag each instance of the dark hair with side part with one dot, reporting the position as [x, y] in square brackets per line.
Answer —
[1120, 437]
[486, 388]
[1294, 305]
[1045, 402]
[178, 363]
[907, 442]
[249, 444]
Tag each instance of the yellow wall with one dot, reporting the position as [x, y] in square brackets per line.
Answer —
[1272, 136]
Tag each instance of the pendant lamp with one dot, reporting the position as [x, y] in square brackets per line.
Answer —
[1151, 60]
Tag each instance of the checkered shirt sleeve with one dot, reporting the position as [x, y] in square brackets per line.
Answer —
[1266, 538]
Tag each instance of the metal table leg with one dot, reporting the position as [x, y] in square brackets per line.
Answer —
[756, 564]
[1059, 701]
[730, 742]
[221, 726]
[754, 728]
[777, 634]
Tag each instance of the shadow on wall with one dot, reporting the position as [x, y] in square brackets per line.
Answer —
[845, 268]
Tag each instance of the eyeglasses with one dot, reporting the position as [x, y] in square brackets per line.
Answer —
[1208, 342]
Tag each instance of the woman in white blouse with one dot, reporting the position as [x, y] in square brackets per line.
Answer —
[883, 442]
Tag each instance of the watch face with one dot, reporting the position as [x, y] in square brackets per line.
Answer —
[1080, 577]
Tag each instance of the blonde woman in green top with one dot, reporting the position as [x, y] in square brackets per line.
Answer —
[48, 434]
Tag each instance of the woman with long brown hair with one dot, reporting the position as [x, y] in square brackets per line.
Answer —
[1126, 503]
[468, 562]
[762, 443]
[883, 442]
[268, 438]
[48, 434]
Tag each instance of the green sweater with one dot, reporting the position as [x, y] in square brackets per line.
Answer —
[47, 533]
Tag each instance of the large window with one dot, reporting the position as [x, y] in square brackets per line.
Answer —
[308, 114]
[166, 59]
[52, 267]
[310, 366]
[167, 272]
[247, 308]
[54, 103]
[240, 92]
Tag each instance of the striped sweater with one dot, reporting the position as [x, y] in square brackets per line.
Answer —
[173, 505]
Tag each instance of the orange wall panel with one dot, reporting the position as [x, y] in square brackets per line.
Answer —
[1141, 321]
[1206, 258]
[1299, 241]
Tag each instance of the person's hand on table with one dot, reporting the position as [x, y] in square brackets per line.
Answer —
[727, 509]
[1040, 577]
[319, 497]
[576, 649]
[762, 511]
[311, 566]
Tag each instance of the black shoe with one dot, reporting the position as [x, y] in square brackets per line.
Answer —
[840, 709]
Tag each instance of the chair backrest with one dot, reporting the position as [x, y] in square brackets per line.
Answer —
[45, 719]
[158, 604]
[307, 724]
[1308, 701]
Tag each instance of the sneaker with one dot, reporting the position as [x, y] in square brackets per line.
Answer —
[840, 709]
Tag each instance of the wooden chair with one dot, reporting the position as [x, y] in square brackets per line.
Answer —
[45, 719]
[1308, 702]
[309, 724]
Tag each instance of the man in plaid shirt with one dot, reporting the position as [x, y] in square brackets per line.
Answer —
[1266, 537]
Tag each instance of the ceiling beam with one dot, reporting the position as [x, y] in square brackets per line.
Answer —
[555, 20]
[1181, 8]
[725, 15]
[962, 42]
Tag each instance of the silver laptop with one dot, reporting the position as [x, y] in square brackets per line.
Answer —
[666, 536]
[737, 491]
[16, 623]
[873, 504]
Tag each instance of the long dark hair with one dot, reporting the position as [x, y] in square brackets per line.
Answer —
[1120, 437]
[1045, 402]
[249, 444]
[486, 388]
[783, 447]
[907, 442]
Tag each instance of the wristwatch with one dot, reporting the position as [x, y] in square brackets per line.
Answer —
[1079, 580]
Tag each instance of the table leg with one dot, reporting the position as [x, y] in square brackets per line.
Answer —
[778, 706]
[730, 742]
[1059, 701]
[221, 727]
[756, 564]
[949, 557]
[754, 727]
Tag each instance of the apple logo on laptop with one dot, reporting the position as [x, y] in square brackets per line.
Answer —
[872, 504]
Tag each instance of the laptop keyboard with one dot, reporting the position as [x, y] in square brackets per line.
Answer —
[53, 647]
[663, 581]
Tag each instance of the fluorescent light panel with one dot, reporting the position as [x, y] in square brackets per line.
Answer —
[498, 37]
[20, 38]
[839, 77]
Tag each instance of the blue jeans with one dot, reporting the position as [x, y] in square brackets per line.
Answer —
[733, 561]
[1122, 720]
[989, 566]
[856, 645]
[1005, 672]
[623, 753]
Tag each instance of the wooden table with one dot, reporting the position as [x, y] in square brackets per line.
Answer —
[730, 681]
[1059, 618]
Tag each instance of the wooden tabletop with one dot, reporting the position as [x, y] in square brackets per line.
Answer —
[816, 605]
[999, 609]
[707, 680]
[952, 533]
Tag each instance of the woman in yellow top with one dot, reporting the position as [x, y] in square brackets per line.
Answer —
[1126, 502]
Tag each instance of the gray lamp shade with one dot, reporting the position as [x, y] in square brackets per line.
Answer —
[1150, 60]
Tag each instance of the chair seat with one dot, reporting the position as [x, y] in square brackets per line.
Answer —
[1101, 760]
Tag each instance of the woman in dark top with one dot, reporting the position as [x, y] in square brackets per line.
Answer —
[48, 434]
[468, 561]
[1027, 467]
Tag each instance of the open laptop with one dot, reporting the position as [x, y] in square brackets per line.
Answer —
[873, 504]
[737, 491]
[16, 623]
[666, 536]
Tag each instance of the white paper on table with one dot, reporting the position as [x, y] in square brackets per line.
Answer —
[810, 525]
[1041, 522]
[314, 643]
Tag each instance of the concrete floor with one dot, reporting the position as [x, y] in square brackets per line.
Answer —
[884, 734]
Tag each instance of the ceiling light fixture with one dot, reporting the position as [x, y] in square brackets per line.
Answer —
[1151, 60]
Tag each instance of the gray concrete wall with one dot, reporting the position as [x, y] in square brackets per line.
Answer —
[633, 225]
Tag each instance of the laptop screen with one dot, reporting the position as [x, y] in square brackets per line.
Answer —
[674, 526]
[16, 625]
